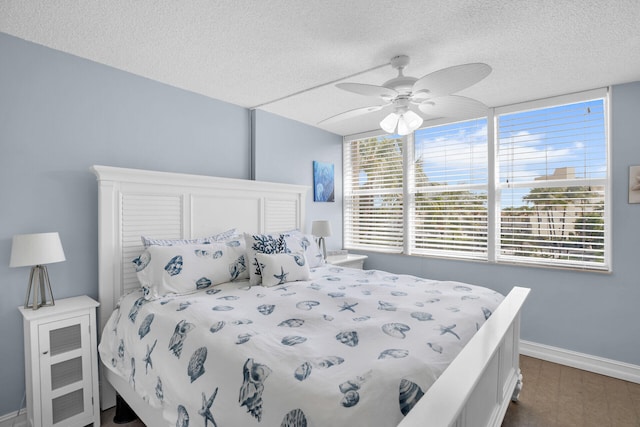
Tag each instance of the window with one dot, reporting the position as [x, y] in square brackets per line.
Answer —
[528, 184]
[450, 188]
[552, 181]
[373, 198]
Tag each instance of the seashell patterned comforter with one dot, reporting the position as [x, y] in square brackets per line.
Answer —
[347, 348]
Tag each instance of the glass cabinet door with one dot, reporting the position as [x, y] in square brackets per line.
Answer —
[65, 368]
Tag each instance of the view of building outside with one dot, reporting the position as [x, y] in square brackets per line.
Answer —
[552, 182]
[550, 187]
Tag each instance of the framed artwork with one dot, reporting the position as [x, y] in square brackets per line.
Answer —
[634, 184]
[323, 182]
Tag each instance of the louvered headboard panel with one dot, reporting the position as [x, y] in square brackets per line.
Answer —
[178, 206]
[146, 215]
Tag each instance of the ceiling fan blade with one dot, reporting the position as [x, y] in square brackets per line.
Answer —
[454, 106]
[451, 80]
[369, 90]
[352, 113]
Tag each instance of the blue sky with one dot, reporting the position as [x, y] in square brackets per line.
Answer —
[532, 144]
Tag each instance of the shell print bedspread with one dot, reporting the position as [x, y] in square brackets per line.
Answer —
[347, 348]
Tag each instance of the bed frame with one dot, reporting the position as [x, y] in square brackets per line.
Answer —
[474, 391]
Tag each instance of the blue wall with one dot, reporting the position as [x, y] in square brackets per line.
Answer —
[285, 151]
[591, 313]
[59, 115]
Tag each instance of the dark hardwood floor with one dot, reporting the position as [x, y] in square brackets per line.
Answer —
[559, 396]
[553, 396]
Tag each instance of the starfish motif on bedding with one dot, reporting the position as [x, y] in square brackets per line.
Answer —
[147, 358]
[347, 306]
[205, 412]
[448, 329]
[282, 277]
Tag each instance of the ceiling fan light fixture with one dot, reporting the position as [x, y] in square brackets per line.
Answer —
[409, 122]
[388, 124]
[431, 94]
[405, 121]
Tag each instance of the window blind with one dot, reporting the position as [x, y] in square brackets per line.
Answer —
[373, 194]
[532, 190]
[552, 184]
[449, 197]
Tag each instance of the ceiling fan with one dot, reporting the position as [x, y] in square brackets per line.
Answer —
[431, 95]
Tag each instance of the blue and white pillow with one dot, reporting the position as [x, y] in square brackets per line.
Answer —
[278, 269]
[262, 244]
[220, 237]
[183, 269]
[298, 241]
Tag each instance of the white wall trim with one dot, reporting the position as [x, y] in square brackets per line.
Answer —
[11, 420]
[586, 362]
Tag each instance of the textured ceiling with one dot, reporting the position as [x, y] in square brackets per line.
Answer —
[250, 52]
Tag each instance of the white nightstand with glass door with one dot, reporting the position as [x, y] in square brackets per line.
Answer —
[61, 363]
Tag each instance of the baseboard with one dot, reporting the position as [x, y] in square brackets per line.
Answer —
[586, 362]
[11, 420]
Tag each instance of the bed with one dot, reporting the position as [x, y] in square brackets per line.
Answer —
[473, 390]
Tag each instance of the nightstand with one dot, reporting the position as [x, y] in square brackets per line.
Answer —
[61, 363]
[350, 260]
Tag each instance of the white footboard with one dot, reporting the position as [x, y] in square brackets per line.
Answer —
[476, 388]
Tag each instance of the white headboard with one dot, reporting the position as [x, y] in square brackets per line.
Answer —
[166, 205]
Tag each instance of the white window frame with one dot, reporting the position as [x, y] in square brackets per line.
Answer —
[494, 190]
[549, 103]
[348, 193]
[444, 253]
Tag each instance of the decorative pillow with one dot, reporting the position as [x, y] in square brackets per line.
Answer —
[263, 244]
[282, 268]
[297, 241]
[220, 237]
[184, 269]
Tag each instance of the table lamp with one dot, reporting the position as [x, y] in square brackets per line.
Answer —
[36, 250]
[321, 229]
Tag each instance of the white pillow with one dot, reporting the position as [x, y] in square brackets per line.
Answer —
[281, 268]
[220, 237]
[298, 241]
[264, 244]
[184, 269]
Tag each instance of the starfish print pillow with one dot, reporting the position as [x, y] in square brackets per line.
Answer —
[278, 269]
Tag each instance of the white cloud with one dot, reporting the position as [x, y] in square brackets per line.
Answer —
[528, 156]
[450, 155]
[458, 157]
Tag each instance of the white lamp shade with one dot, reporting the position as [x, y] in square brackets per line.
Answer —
[409, 122]
[321, 228]
[388, 124]
[36, 249]
[405, 122]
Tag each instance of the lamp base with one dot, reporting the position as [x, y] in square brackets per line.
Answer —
[323, 247]
[40, 275]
